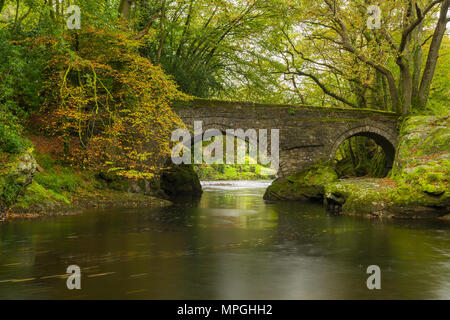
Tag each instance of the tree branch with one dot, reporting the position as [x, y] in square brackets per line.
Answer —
[412, 26]
[141, 34]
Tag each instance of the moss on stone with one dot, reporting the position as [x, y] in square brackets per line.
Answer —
[16, 174]
[58, 189]
[358, 196]
[419, 183]
[383, 197]
[423, 140]
[180, 180]
[303, 185]
[38, 198]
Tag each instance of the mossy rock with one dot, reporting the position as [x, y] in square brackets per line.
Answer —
[359, 196]
[40, 200]
[114, 182]
[180, 180]
[383, 197]
[140, 186]
[308, 184]
[423, 139]
[16, 174]
[148, 187]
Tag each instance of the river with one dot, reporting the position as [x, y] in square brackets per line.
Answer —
[230, 244]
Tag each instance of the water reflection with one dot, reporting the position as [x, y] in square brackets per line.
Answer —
[228, 245]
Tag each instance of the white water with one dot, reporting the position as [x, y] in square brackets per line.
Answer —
[235, 185]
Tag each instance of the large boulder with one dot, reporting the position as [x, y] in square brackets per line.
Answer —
[16, 174]
[180, 180]
[424, 141]
[308, 184]
[148, 187]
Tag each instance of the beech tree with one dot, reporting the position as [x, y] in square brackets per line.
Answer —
[333, 38]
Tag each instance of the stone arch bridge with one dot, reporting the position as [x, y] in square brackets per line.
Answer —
[307, 134]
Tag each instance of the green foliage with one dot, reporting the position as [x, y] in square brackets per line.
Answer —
[213, 48]
[360, 156]
[200, 82]
[57, 177]
[64, 180]
[111, 103]
[38, 195]
[20, 87]
[234, 172]
[250, 170]
[438, 103]
[10, 139]
[9, 193]
[21, 70]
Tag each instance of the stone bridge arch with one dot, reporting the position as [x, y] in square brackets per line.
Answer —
[385, 138]
[250, 141]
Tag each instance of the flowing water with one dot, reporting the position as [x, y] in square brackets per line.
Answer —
[230, 244]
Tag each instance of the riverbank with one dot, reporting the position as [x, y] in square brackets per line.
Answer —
[104, 199]
[34, 184]
[37, 201]
[417, 186]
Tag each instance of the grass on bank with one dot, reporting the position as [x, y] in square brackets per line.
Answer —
[55, 185]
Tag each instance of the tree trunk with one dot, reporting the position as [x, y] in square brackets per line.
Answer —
[406, 86]
[417, 64]
[16, 17]
[52, 13]
[185, 29]
[378, 101]
[433, 55]
[385, 94]
[393, 92]
[125, 8]
[161, 26]
[352, 155]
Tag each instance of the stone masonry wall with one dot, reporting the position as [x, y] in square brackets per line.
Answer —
[307, 134]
